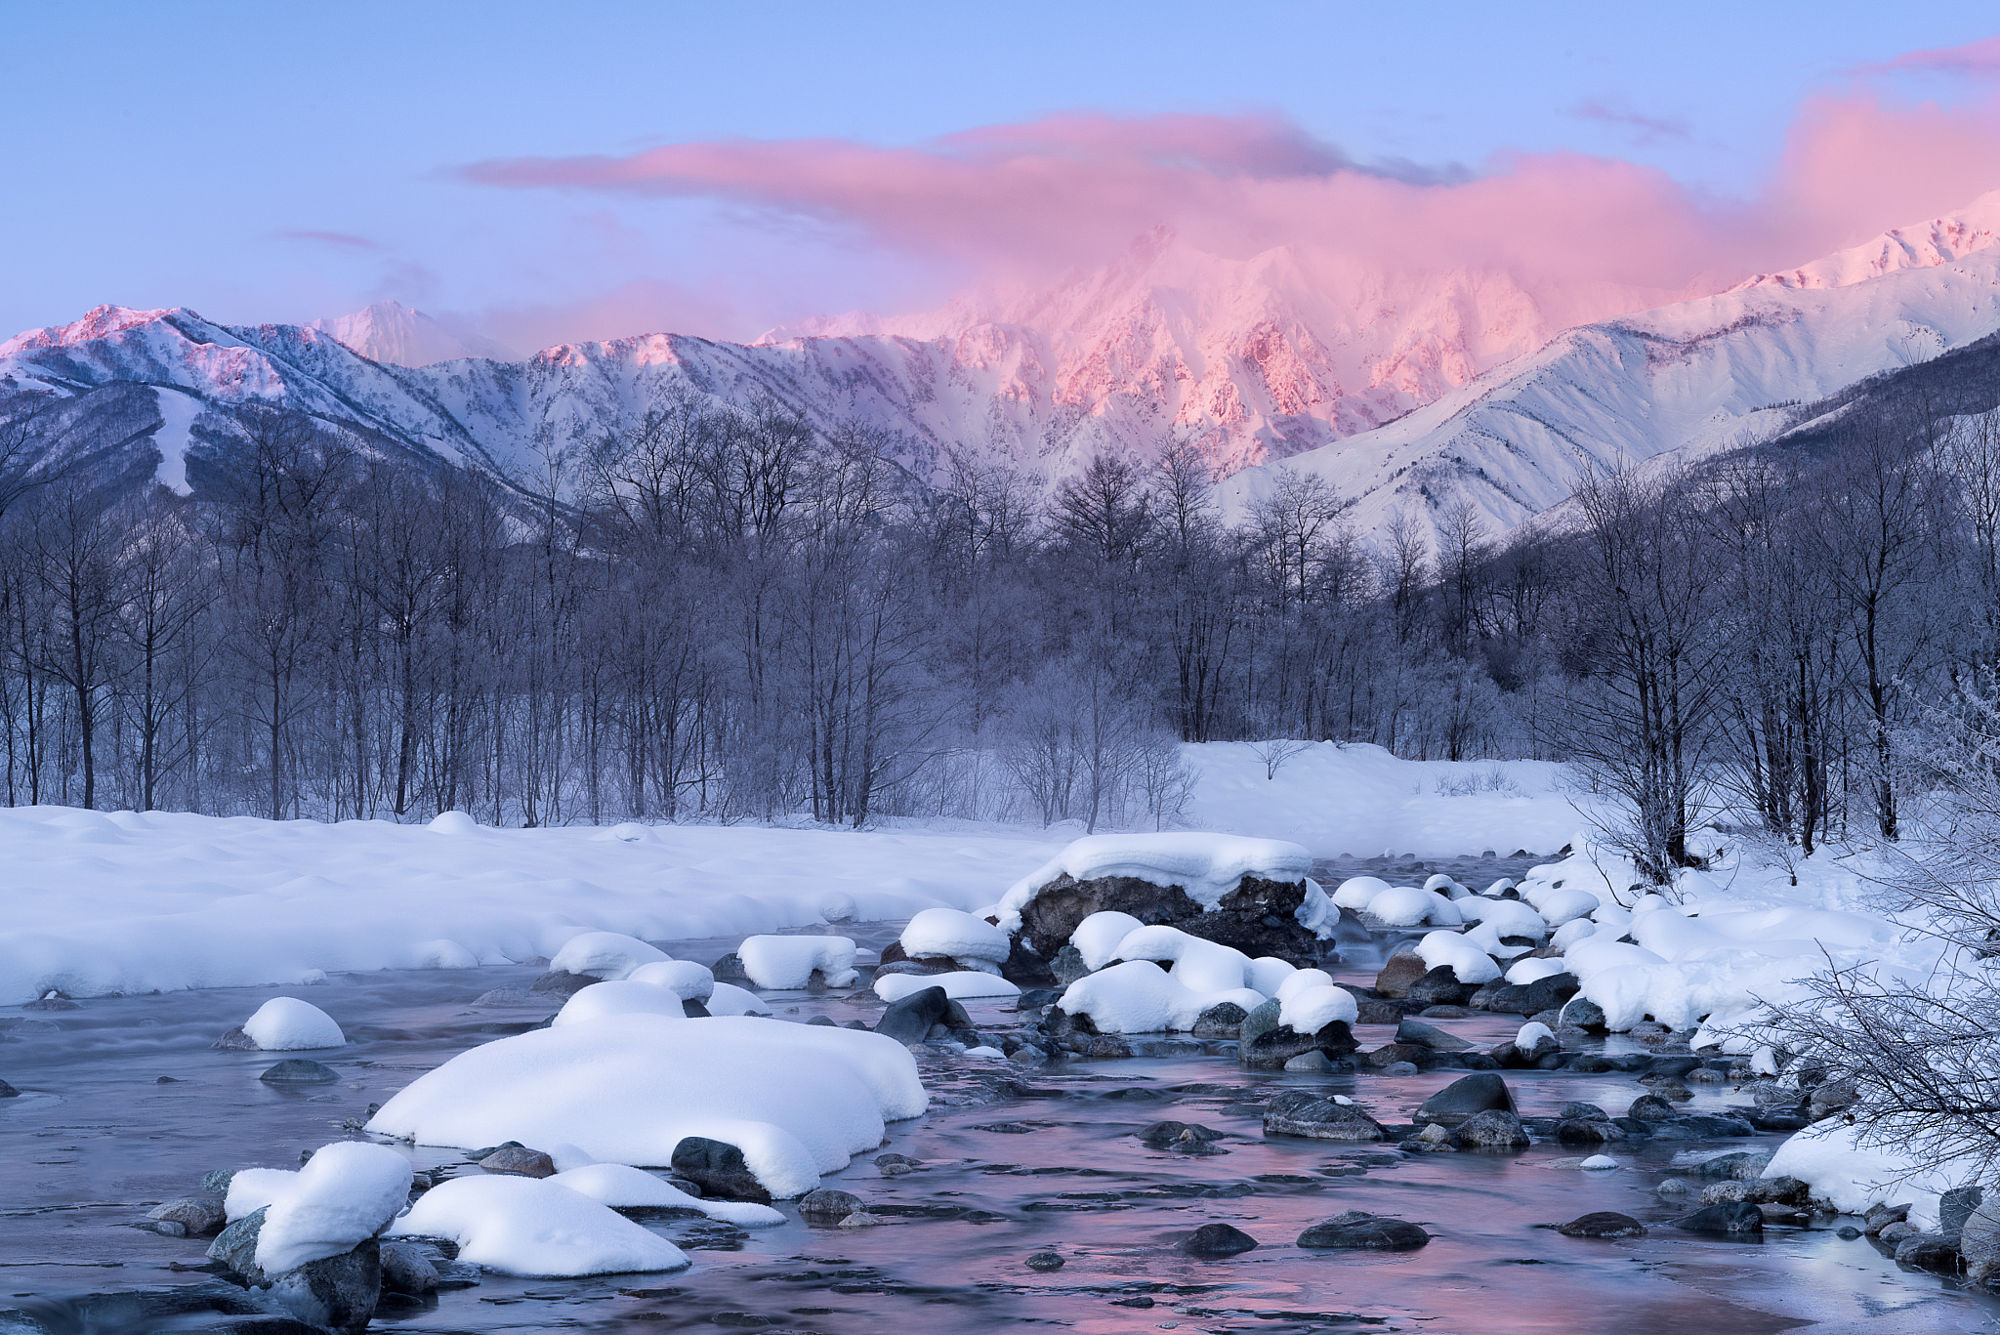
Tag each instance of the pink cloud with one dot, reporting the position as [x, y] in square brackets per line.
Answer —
[1978, 58]
[1023, 200]
[1645, 129]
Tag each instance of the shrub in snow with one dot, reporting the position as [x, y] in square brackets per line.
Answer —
[286, 1024]
[604, 955]
[684, 978]
[1096, 938]
[953, 934]
[1468, 963]
[797, 1100]
[963, 985]
[453, 822]
[619, 996]
[1138, 997]
[781, 962]
[344, 1195]
[623, 1187]
[533, 1228]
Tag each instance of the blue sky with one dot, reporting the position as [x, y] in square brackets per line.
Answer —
[280, 162]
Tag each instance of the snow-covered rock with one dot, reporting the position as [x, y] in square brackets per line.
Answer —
[963, 985]
[1409, 906]
[1138, 997]
[789, 962]
[619, 996]
[953, 934]
[536, 1229]
[1206, 866]
[797, 1100]
[684, 978]
[1096, 938]
[286, 1024]
[623, 1187]
[344, 1195]
[1467, 962]
[604, 955]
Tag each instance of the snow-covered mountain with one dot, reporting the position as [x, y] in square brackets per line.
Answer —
[391, 332]
[1697, 377]
[1402, 389]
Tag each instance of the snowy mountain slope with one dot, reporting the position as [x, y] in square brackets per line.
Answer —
[1698, 377]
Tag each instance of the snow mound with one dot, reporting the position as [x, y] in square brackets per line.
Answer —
[1468, 963]
[453, 822]
[619, 996]
[798, 1100]
[684, 978]
[1199, 964]
[954, 934]
[1408, 906]
[1096, 938]
[1138, 997]
[964, 985]
[1207, 866]
[1307, 1005]
[1357, 892]
[729, 999]
[1507, 917]
[1534, 970]
[623, 1187]
[604, 955]
[533, 1228]
[1831, 1157]
[789, 962]
[286, 1024]
[345, 1194]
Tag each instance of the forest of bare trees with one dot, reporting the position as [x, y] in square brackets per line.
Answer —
[720, 613]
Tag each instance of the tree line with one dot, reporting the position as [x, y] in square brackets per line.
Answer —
[719, 612]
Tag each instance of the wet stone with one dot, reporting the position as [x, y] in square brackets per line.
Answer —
[299, 1071]
[1357, 1230]
[1044, 1261]
[1217, 1240]
[1603, 1224]
[517, 1160]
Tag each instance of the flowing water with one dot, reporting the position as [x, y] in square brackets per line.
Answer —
[126, 1104]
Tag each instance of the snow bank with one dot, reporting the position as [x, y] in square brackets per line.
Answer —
[1408, 906]
[781, 962]
[954, 934]
[605, 955]
[286, 1024]
[798, 1100]
[623, 1187]
[964, 985]
[532, 1227]
[345, 1194]
[1340, 800]
[1854, 1177]
[128, 902]
[1207, 866]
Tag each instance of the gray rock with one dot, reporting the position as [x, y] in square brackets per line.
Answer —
[235, 1248]
[1544, 994]
[1067, 965]
[1494, 1129]
[7, 1091]
[336, 1292]
[718, 1168]
[1929, 1251]
[200, 1216]
[1582, 1132]
[1307, 1063]
[1737, 1219]
[516, 1160]
[236, 1041]
[405, 1269]
[1744, 1164]
[1464, 1097]
[299, 1071]
[1652, 1108]
[1603, 1224]
[1430, 1036]
[1357, 1230]
[1045, 1261]
[1583, 1013]
[1399, 973]
[1956, 1206]
[913, 1019]
[1301, 1113]
[1222, 1020]
[828, 1206]
[1583, 1112]
[216, 1180]
[1830, 1097]
[1439, 987]
[1217, 1240]
[562, 985]
[1185, 1137]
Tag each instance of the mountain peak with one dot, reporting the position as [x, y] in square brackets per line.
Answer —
[399, 335]
[98, 322]
[1923, 245]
